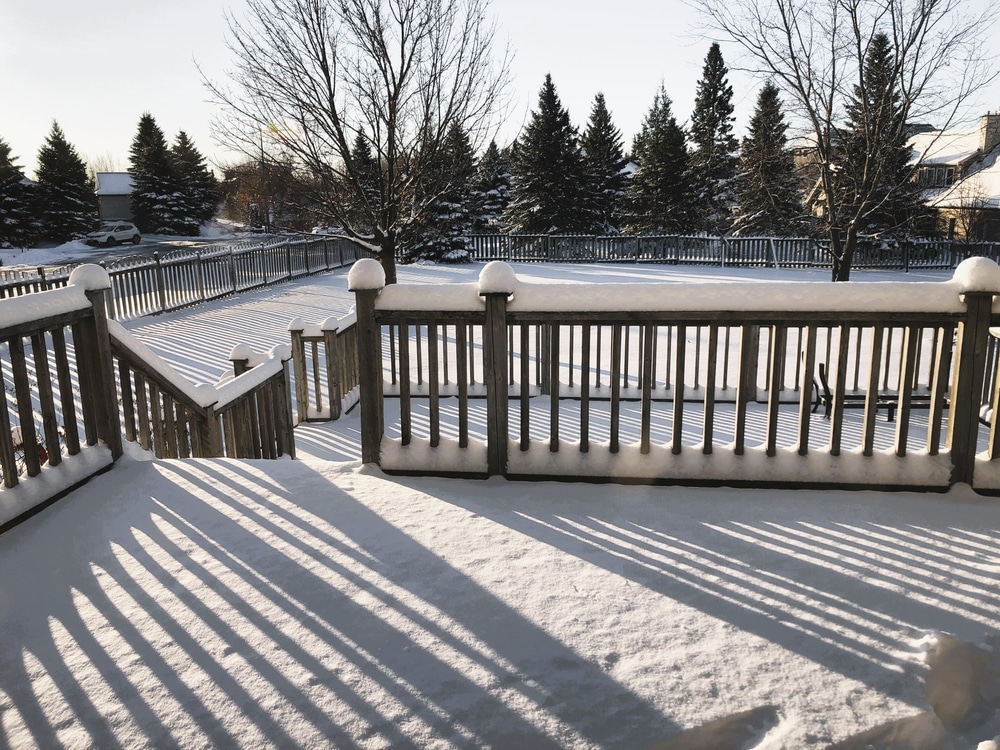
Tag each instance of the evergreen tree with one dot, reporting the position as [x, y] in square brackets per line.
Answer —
[156, 196]
[548, 189]
[367, 169]
[67, 203]
[606, 178]
[440, 231]
[659, 196]
[878, 179]
[16, 221]
[491, 191]
[199, 190]
[768, 194]
[713, 158]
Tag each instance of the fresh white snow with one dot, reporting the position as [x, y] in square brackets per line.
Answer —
[322, 603]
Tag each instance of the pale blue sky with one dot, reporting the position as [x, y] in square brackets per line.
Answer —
[96, 66]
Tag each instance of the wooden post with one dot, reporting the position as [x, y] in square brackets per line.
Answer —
[283, 407]
[109, 428]
[295, 328]
[232, 270]
[495, 375]
[200, 275]
[366, 280]
[967, 384]
[334, 353]
[161, 290]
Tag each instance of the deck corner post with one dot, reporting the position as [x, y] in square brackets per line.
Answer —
[98, 340]
[495, 376]
[367, 279]
[967, 385]
[979, 280]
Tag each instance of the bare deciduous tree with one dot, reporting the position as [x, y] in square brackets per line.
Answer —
[312, 76]
[815, 50]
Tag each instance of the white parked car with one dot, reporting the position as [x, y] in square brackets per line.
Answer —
[114, 232]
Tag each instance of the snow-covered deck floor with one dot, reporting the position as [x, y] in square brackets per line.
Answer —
[319, 603]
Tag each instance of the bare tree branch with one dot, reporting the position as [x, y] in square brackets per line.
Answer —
[815, 51]
[312, 76]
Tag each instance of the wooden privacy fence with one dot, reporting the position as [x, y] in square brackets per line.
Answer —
[73, 380]
[686, 383]
[784, 252]
[144, 285]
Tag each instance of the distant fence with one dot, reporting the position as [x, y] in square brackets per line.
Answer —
[148, 285]
[783, 252]
[688, 383]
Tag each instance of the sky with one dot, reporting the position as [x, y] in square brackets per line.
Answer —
[322, 603]
[96, 67]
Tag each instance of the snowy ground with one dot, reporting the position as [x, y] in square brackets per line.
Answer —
[320, 603]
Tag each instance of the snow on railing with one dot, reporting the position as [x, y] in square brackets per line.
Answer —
[710, 382]
[63, 408]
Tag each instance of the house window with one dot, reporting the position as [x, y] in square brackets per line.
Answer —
[936, 176]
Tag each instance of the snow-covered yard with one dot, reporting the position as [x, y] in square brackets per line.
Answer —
[321, 603]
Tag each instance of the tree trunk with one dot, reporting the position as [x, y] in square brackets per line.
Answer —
[842, 249]
[848, 247]
[387, 257]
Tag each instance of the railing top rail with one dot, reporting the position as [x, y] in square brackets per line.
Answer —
[198, 397]
[813, 297]
[43, 310]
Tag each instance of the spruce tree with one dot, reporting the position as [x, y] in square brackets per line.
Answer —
[156, 195]
[659, 196]
[16, 221]
[358, 204]
[548, 189]
[878, 180]
[606, 178]
[713, 156]
[67, 203]
[491, 191]
[768, 193]
[440, 231]
[199, 190]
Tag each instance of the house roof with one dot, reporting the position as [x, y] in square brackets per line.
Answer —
[114, 183]
[979, 187]
[945, 147]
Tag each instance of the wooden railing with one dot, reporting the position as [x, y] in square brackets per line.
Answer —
[784, 252]
[144, 285]
[249, 416]
[63, 410]
[19, 280]
[58, 406]
[325, 365]
[680, 383]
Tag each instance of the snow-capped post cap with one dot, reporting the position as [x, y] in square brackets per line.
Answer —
[296, 324]
[497, 277]
[330, 324]
[366, 273]
[91, 277]
[978, 275]
[281, 351]
[241, 353]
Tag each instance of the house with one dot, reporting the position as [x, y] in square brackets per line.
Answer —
[114, 193]
[960, 173]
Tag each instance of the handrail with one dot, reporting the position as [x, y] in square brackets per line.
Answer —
[244, 416]
[647, 367]
[324, 358]
[63, 404]
[60, 402]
